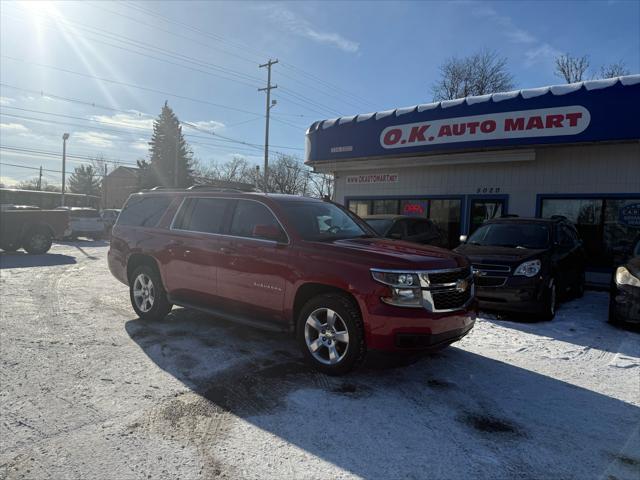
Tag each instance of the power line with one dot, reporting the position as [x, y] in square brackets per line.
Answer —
[223, 138]
[130, 85]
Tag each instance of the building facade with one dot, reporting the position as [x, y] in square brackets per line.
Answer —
[118, 185]
[571, 150]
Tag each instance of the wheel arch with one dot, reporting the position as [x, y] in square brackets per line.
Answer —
[136, 260]
[307, 291]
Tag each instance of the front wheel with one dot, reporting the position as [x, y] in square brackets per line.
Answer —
[550, 302]
[330, 333]
[148, 298]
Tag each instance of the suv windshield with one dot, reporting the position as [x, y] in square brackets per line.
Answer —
[521, 235]
[380, 225]
[316, 221]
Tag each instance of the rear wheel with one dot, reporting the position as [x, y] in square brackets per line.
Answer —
[38, 241]
[330, 333]
[148, 297]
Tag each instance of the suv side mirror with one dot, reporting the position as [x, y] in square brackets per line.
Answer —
[463, 238]
[396, 236]
[268, 232]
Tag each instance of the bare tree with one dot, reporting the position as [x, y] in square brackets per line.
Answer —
[287, 175]
[320, 185]
[32, 184]
[617, 69]
[478, 74]
[571, 69]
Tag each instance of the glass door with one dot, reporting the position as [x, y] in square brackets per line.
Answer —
[483, 209]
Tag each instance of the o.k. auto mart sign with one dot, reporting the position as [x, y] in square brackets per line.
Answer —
[545, 122]
[603, 111]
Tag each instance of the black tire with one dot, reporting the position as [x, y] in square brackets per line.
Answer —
[38, 241]
[612, 317]
[578, 290]
[10, 246]
[347, 316]
[153, 294]
[550, 301]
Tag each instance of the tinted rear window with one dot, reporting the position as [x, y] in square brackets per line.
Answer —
[84, 214]
[143, 211]
[202, 215]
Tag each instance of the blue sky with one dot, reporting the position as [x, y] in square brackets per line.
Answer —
[336, 58]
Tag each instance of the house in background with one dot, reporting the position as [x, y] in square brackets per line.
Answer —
[118, 185]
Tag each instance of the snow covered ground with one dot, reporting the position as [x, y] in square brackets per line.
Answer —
[87, 390]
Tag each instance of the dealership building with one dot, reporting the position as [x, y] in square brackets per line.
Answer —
[571, 150]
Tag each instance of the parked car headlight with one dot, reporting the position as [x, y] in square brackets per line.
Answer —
[529, 269]
[404, 288]
[624, 277]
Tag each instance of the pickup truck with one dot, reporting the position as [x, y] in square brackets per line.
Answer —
[31, 228]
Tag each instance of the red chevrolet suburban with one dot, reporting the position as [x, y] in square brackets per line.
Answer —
[293, 264]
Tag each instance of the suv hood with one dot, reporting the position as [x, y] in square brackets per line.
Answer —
[498, 255]
[396, 254]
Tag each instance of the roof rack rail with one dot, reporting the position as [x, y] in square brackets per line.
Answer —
[213, 188]
[509, 215]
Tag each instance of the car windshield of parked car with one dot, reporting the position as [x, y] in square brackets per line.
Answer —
[531, 235]
[380, 225]
[323, 222]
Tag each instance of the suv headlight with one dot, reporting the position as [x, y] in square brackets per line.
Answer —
[529, 269]
[404, 286]
[624, 277]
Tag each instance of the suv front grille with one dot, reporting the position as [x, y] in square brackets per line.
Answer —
[450, 276]
[450, 299]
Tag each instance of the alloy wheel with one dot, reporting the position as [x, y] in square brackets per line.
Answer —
[143, 292]
[326, 335]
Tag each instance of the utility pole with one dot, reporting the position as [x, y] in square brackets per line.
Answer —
[40, 179]
[267, 89]
[65, 137]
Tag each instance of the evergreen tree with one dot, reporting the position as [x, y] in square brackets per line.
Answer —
[170, 158]
[84, 179]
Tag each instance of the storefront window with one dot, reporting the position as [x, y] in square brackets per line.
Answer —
[606, 225]
[483, 210]
[445, 213]
[362, 208]
[414, 208]
[385, 207]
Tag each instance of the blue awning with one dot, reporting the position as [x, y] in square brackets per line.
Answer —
[597, 110]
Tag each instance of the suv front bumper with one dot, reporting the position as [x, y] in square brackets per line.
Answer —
[399, 329]
[518, 294]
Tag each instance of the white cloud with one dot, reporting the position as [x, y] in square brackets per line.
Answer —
[16, 128]
[133, 119]
[140, 144]
[95, 139]
[6, 100]
[209, 125]
[535, 50]
[303, 28]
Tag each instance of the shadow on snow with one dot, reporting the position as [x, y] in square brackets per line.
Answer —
[454, 414]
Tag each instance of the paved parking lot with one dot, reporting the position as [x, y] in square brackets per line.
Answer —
[90, 391]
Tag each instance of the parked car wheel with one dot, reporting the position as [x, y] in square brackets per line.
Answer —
[612, 318]
[9, 246]
[148, 297]
[578, 289]
[550, 301]
[331, 334]
[38, 241]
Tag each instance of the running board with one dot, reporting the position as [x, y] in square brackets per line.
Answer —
[232, 317]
